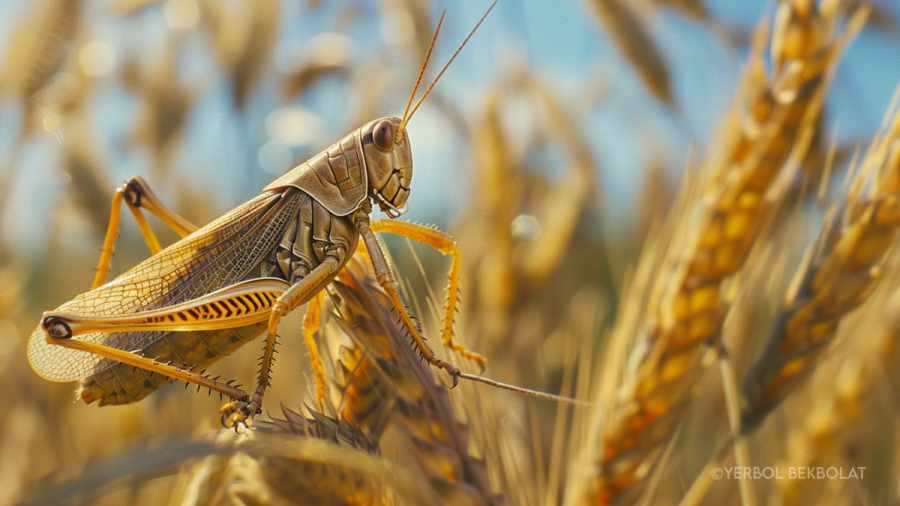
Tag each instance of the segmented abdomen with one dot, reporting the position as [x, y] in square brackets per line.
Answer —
[122, 384]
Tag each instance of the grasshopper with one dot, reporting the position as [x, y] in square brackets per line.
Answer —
[222, 285]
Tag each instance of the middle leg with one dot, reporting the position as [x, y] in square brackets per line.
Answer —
[389, 285]
[311, 324]
[300, 292]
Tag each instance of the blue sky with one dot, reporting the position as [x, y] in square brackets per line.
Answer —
[560, 42]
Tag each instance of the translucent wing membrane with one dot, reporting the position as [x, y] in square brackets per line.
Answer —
[218, 255]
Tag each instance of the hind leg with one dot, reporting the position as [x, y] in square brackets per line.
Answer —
[137, 194]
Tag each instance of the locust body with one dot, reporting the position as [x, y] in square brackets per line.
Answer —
[310, 218]
[221, 285]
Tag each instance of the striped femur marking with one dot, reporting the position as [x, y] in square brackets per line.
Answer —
[239, 305]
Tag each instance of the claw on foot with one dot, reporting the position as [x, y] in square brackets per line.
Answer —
[451, 369]
[236, 413]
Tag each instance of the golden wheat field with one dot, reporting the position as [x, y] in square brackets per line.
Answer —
[680, 216]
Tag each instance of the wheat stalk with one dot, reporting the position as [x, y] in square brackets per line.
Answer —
[835, 431]
[37, 47]
[630, 33]
[386, 386]
[777, 113]
[825, 430]
[521, 228]
[841, 273]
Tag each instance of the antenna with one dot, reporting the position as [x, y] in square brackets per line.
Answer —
[427, 91]
[421, 73]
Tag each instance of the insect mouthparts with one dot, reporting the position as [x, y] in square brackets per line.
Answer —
[398, 212]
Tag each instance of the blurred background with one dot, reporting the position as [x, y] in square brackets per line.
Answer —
[548, 149]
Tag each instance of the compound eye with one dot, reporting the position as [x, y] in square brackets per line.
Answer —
[383, 135]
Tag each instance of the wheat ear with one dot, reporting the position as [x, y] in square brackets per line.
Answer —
[777, 113]
[837, 277]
